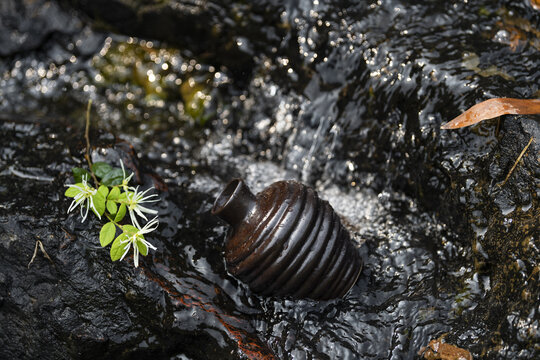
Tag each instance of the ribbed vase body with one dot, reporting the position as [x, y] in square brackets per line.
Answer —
[286, 241]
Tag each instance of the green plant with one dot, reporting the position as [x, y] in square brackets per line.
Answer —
[112, 199]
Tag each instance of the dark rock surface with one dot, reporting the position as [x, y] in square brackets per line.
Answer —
[26, 25]
[347, 97]
[77, 304]
[226, 33]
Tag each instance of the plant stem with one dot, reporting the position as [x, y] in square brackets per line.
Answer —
[114, 222]
[87, 137]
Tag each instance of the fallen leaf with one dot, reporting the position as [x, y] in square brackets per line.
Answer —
[535, 4]
[492, 108]
[437, 349]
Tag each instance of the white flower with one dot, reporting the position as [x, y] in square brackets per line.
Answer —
[139, 237]
[134, 199]
[125, 180]
[86, 192]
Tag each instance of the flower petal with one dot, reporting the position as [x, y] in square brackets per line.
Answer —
[139, 212]
[148, 244]
[136, 255]
[72, 206]
[150, 226]
[134, 218]
[87, 208]
[125, 252]
[94, 207]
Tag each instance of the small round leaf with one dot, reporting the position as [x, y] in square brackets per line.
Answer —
[143, 249]
[123, 196]
[130, 229]
[106, 235]
[111, 207]
[121, 213]
[117, 248]
[103, 190]
[72, 191]
[113, 194]
[113, 177]
[101, 168]
[99, 203]
[79, 173]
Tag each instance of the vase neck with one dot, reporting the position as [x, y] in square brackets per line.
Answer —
[235, 203]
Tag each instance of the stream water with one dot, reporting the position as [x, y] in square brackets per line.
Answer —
[347, 97]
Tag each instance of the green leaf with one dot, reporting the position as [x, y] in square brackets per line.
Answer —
[123, 196]
[121, 213]
[143, 249]
[111, 207]
[130, 229]
[103, 190]
[99, 203]
[106, 235]
[72, 192]
[113, 177]
[78, 174]
[113, 194]
[101, 169]
[117, 248]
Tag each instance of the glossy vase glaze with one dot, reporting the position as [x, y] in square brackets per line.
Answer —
[286, 241]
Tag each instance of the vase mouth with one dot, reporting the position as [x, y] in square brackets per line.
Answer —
[230, 192]
[235, 203]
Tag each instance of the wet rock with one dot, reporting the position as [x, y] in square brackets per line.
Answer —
[221, 33]
[78, 304]
[27, 25]
[503, 218]
[347, 98]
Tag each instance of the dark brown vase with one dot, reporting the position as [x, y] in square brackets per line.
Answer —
[286, 241]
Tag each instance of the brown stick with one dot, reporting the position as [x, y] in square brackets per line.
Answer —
[87, 137]
[517, 160]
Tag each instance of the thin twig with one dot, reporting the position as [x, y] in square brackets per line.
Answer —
[40, 244]
[33, 256]
[517, 160]
[87, 137]
[498, 128]
[534, 271]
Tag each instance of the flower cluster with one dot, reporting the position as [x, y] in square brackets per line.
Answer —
[81, 192]
[113, 199]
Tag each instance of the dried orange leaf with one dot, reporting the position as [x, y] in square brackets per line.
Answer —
[492, 108]
[535, 4]
[437, 349]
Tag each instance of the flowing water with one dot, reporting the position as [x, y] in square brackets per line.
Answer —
[346, 97]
